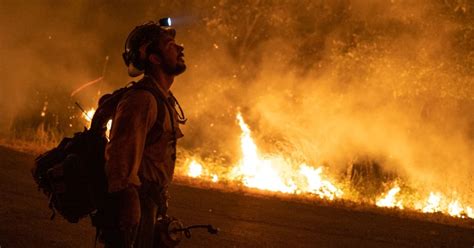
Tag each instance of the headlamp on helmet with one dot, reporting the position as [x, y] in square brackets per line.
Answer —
[165, 22]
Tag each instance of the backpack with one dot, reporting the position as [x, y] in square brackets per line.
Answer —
[72, 174]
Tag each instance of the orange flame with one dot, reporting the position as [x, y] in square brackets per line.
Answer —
[275, 173]
[271, 172]
[389, 199]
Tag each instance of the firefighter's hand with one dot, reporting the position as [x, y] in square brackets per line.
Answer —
[129, 208]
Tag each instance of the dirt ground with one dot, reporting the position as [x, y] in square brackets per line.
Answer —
[244, 221]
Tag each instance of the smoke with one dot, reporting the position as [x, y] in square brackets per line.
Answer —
[50, 49]
[391, 84]
[323, 81]
[337, 82]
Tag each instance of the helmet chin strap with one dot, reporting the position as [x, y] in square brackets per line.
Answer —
[133, 71]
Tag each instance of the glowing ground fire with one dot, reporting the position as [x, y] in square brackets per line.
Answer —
[389, 199]
[276, 173]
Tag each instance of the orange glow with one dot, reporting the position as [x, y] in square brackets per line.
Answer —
[433, 203]
[455, 208]
[195, 169]
[389, 199]
[270, 172]
[88, 115]
[277, 173]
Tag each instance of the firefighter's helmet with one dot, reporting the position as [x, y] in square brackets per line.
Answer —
[137, 46]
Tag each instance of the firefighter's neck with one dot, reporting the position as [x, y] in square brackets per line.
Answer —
[163, 79]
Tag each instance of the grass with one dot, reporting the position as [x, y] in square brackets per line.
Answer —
[31, 141]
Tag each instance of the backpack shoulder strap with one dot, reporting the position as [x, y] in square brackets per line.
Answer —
[162, 104]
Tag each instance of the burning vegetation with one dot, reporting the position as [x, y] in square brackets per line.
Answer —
[279, 174]
[364, 101]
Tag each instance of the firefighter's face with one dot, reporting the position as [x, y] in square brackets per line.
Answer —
[171, 56]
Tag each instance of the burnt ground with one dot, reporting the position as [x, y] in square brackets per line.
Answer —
[245, 221]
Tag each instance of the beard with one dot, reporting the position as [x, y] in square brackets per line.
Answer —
[174, 69]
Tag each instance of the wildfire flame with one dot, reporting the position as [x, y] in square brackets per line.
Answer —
[389, 199]
[257, 172]
[271, 172]
[455, 208]
[436, 202]
[195, 169]
[317, 185]
[275, 173]
[433, 203]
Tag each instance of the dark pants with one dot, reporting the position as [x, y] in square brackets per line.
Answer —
[153, 204]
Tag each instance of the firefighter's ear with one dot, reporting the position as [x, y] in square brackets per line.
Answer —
[154, 59]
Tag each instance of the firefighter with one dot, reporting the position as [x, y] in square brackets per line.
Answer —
[141, 153]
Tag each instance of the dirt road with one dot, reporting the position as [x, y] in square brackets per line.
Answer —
[245, 221]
